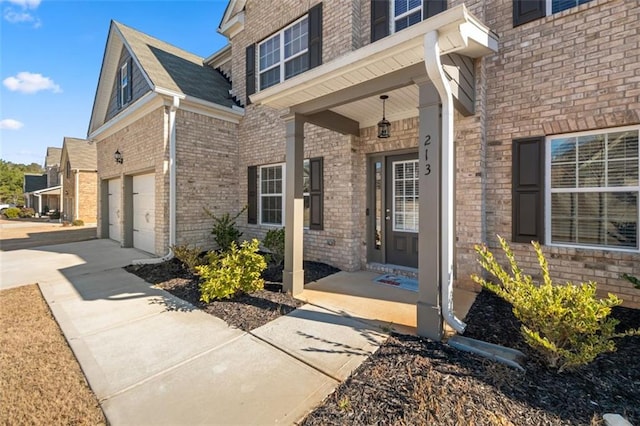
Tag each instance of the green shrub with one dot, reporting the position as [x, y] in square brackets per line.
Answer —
[566, 324]
[274, 242]
[27, 212]
[224, 229]
[237, 270]
[12, 213]
[189, 256]
[77, 222]
[632, 279]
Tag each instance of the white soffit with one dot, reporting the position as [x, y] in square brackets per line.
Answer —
[458, 30]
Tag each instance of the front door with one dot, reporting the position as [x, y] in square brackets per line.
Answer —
[401, 210]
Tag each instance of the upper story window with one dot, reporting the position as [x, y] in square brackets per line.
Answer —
[593, 190]
[284, 54]
[68, 170]
[124, 83]
[529, 10]
[406, 13]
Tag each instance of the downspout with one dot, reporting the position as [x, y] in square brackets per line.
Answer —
[441, 83]
[172, 187]
[77, 206]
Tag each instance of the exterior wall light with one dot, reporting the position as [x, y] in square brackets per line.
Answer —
[118, 157]
[384, 127]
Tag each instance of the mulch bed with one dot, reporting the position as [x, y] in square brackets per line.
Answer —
[245, 311]
[414, 381]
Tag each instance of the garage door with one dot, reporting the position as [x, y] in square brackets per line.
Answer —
[144, 220]
[114, 210]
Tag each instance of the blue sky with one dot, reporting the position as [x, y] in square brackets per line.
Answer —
[50, 57]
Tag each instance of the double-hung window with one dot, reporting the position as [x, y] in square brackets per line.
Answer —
[284, 54]
[124, 82]
[405, 13]
[593, 190]
[529, 10]
[271, 184]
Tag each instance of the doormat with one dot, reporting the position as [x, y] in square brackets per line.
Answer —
[398, 281]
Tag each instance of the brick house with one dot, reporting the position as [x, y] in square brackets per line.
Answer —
[545, 123]
[79, 183]
[164, 126]
[509, 117]
[42, 192]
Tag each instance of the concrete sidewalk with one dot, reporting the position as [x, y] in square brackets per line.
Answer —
[154, 359]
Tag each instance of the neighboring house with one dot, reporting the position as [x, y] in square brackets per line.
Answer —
[42, 192]
[79, 175]
[165, 129]
[518, 118]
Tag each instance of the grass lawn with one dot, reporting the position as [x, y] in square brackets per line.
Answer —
[40, 379]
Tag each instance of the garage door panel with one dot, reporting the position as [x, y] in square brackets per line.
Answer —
[114, 201]
[144, 212]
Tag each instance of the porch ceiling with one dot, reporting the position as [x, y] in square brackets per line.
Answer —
[349, 85]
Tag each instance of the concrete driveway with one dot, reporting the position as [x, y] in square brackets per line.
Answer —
[16, 235]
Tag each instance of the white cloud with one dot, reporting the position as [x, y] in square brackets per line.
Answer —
[27, 4]
[27, 82]
[10, 124]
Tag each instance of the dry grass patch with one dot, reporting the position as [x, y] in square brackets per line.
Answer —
[40, 379]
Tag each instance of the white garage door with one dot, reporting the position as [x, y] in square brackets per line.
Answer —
[114, 210]
[144, 220]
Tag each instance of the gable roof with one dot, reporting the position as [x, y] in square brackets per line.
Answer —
[53, 156]
[81, 154]
[166, 68]
[34, 182]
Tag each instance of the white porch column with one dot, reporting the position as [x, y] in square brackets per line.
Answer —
[293, 276]
[429, 310]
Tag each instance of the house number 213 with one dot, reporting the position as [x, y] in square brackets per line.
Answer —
[427, 165]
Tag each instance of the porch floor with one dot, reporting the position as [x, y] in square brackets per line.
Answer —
[356, 294]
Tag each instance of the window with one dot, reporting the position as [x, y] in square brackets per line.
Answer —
[405, 196]
[592, 189]
[272, 194]
[265, 194]
[68, 169]
[405, 13]
[284, 54]
[529, 10]
[124, 83]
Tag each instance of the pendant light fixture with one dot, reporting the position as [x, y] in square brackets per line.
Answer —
[384, 126]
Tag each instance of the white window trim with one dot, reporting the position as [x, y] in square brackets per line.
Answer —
[124, 74]
[547, 191]
[282, 61]
[304, 194]
[393, 196]
[393, 19]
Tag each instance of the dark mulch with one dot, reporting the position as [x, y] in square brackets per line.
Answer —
[244, 311]
[416, 381]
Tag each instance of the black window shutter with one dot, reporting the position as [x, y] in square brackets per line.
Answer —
[315, 36]
[379, 19]
[528, 190]
[252, 199]
[433, 7]
[527, 10]
[250, 71]
[316, 193]
[129, 80]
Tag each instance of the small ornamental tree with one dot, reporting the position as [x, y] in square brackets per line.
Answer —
[566, 324]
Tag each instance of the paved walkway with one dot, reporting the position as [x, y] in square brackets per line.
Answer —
[154, 359]
[22, 234]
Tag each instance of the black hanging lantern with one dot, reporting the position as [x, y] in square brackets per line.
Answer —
[118, 156]
[384, 127]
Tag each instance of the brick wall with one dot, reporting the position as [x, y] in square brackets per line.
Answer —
[88, 196]
[207, 175]
[573, 71]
